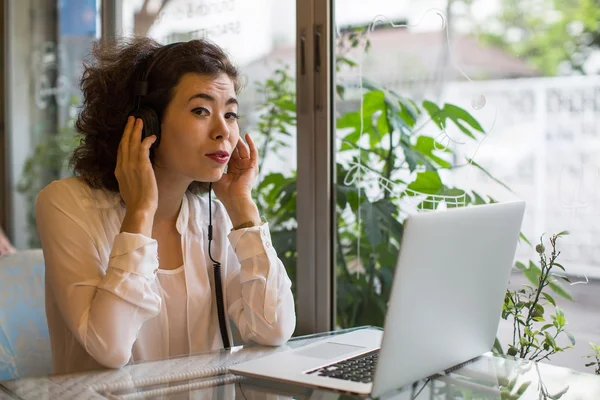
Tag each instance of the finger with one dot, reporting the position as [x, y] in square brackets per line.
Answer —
[144, 153]
[124, 144]
[243, 149]
[235, 155]
[252, 147]
[135, 139]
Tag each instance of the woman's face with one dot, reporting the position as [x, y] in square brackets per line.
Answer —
[199, 129]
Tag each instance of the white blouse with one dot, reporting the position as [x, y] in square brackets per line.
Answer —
[173, 296]
[104, 304]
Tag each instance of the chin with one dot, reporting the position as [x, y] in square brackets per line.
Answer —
[208, 178]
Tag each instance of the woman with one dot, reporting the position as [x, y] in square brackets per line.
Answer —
[5, 246]
[129, 275]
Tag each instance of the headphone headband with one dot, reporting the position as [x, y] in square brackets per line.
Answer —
[141, 86]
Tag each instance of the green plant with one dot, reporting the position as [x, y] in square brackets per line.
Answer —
[48, 161]
[533, 337]
[275, 192]
[387, 145]
[596, 356]
[569, 38]
[395, 139]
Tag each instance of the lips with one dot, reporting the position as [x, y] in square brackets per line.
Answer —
[219, 156]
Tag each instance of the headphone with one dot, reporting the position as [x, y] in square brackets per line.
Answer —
[152, 127]
[147, 114]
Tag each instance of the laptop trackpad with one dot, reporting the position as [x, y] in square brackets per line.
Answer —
[328, 350]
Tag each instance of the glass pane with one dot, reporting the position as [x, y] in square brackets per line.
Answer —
[260, 36]
[454, 103]
[47, 43]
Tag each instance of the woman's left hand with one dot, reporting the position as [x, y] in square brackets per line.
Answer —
[234, 189]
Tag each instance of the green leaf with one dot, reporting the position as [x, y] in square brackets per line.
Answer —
[559, 290]
[561, 320]
[547, 326]
[435, 113]
[538, 311]
[473, 163]
[426, 146]
[559, 394]
[532, 273]
[428, 182]
[549, 339]
[408, 113]
[272, 179]
[571, 337]
[379, 217]
[524, 386]
[459, 115]
[558, 265]
[340, 90]
[374, 118]
[497, 347]
[549, 298]
[456, 114]
[371, 224]
[522, 236]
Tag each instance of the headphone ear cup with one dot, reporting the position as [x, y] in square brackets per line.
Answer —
[151, 124]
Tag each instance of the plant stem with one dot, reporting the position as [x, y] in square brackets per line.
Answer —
[389, 162]
[338, 240]
[515, 322]
[542, 283]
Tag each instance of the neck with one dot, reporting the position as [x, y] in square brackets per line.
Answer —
[171, 190]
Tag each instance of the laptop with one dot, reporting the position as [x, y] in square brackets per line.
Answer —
[444, 309]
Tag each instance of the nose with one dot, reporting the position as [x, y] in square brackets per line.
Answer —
[220, 129]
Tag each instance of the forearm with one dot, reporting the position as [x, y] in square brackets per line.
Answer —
[138, 221]
[260, 296]
[116, 315]
[268, 316]
[242, 210]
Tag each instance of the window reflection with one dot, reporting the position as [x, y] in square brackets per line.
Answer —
[465, 98]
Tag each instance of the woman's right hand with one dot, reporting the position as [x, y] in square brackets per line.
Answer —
[137, 183]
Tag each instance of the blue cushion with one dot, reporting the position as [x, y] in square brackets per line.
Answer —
[24, 340]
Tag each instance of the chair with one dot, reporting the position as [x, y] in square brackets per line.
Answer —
[24, 339]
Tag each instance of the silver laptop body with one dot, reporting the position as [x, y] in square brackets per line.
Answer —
[444, 309]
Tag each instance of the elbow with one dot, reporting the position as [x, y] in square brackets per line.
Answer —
[108, 353]
[281, 331]
[113, 359]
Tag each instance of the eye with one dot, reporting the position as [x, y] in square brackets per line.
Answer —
[232, 116]
[200, 111]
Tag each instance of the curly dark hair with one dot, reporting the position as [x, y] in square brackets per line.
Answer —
[108, 85]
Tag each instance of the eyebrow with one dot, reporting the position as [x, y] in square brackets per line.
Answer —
[208, 97]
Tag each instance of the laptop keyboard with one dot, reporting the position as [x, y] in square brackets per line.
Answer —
[357, 369]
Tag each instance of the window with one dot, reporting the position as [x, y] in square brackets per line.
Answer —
[45, 48]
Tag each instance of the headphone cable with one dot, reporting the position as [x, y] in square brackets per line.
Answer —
[217, 273]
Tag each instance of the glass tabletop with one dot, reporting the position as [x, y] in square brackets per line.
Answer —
[205, 376]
